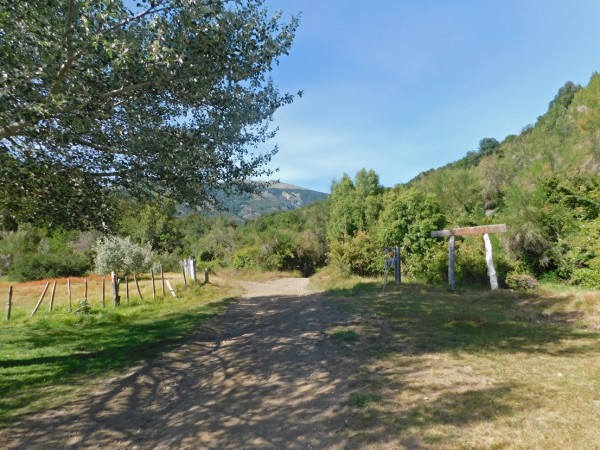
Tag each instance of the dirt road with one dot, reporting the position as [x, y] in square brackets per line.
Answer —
[264, 374]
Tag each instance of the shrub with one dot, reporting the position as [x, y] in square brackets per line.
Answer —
[521, 281]
[122, 255]
[32, 254]
[586, 277]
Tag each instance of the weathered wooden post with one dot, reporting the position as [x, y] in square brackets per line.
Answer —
[192, 268]
[9, 305]
[126, 288]
[115, 286]
[451, 258]
[69, 293]
[162, 278]
[153, 286]
[183, 264]
[137, 285]
[85, 292]
[52, 296]
[466, 231]
[103, 292]
[40, 300]
[206, 275]
[397, 265]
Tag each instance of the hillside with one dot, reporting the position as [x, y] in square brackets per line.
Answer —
[544, 182]
[277, 197]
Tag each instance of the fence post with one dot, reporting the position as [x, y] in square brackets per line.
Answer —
[69, 293]
[103, 292]
[9, 305]
[153, 286]
[182, 264]
[162, 277]
[115, 286]
[192, 268]
[137, 285]
[52, 296]
[127, 288]
[85, 292]
[206, 275]
[40, 300]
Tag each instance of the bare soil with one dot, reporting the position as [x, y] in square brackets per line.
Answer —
[264, 374]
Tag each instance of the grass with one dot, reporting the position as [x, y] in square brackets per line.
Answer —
[475, 369]
[56, 357]
[344, 335]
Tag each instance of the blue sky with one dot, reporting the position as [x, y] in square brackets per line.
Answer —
[403, 86]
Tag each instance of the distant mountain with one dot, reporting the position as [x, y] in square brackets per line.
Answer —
[277, 197]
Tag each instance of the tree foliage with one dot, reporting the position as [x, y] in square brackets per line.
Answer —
[114, 253]
[169, 97]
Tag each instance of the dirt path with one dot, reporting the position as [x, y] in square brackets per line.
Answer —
[262, 375]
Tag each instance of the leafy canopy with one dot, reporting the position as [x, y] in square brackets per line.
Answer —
[170, 97]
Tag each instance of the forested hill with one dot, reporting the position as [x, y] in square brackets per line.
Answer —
[276, 197]
[544, 182]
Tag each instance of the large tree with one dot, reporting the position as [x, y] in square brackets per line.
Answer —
[164, 96]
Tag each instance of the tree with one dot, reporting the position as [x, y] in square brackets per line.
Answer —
[168, 98]
[118, 254]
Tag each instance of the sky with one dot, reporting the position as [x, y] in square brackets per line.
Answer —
[402, 86]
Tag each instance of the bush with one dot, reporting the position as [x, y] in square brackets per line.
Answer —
[586, 277]
[32, 254]
[122, 255]
[358, 255]
[522, 281]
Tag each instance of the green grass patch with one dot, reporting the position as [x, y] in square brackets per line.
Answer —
[362, 399]
[56, 356]
[344, 335]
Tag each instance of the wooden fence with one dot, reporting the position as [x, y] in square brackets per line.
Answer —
[71, 294]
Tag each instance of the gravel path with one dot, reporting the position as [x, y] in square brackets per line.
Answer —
[262, 375]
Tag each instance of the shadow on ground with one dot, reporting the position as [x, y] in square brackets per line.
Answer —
[267, 374]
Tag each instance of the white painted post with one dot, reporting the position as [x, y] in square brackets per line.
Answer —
[490, 262]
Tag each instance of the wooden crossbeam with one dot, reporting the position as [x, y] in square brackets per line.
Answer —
[466, 231]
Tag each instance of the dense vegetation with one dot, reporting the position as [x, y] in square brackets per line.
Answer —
[544, 183]
[167, 97]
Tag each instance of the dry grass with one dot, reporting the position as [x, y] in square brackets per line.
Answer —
[476, 369]
[26, 295]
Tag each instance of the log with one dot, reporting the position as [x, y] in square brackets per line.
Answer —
[466, 231]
